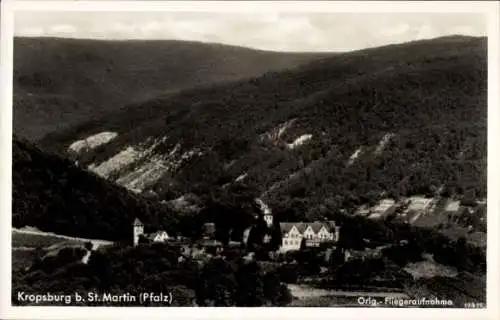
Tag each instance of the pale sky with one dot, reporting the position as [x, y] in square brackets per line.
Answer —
[268, 31]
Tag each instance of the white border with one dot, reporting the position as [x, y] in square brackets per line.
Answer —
[489, 8]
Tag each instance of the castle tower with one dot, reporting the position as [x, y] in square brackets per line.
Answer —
[266, 211]
[138, 230]
[268, 218]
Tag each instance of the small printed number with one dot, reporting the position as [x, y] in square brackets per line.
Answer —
[473, 305]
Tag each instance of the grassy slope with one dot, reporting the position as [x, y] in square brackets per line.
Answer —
[61, 82]
[431, 94]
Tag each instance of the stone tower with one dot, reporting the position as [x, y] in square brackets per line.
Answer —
[268, 218]
[266, 211]
[138, 230]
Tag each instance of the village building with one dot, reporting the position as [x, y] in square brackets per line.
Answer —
[312, 234]
[138, 231]
[293, 233]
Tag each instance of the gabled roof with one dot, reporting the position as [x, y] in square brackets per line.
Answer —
[157, 233]
[137, 222]
[287, 226]
[316, 226]
[302, 226]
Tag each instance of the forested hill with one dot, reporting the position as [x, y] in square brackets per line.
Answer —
[61, 82]
[52, 194]
[339, 132]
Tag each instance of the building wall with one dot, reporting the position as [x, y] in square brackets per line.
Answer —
[293, 239]
[290, 244]
[138, 230]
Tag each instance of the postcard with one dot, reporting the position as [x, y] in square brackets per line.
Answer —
[198, 159]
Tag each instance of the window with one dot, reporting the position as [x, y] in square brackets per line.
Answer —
[286, 242]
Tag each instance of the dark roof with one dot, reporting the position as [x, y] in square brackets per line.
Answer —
[138, 222]
[316, 226]
[302, 226]
[286, 226]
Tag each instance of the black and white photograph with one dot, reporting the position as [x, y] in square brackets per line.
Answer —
[207, 155]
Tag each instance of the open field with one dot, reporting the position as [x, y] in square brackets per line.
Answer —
[33, 239]
[308, 296]
[25, 242]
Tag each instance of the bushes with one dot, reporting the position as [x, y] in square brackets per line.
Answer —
[229, 283]
[404, 254]
[289, 273]
[154, 268]
[51, 263]
[369, 272]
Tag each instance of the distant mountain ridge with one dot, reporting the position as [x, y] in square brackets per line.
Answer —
[61, 82]
[341, 131]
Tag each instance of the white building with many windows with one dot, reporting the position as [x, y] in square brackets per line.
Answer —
[314, 234]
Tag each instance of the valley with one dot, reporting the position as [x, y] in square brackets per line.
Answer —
[385, 147]
[406, 143]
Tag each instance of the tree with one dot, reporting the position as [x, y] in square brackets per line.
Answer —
[217, 284]
[276, 236]
[250, 285]
[89, 246]
[232, 211]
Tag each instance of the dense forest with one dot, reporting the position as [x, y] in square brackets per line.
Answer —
[52, 194]
[388, 122]
[391, 122]
[59, 83]
[385, 122]
[157, 269]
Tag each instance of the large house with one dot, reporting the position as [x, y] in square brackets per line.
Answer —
[158, 236]
[293, 233]
[314, 233]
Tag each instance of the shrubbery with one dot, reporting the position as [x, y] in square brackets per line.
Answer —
[155, 268]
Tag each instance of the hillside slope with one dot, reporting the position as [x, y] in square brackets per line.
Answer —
[52, 194]
[60, 82]
[340, 132]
